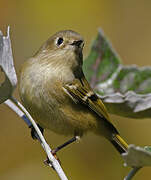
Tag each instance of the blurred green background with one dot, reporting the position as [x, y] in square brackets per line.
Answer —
[127, 24]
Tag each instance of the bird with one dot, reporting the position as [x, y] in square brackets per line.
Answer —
[54, 90]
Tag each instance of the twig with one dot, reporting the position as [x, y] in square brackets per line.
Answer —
[17, 107]
[132, 173]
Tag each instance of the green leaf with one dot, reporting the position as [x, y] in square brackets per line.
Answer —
[102, 62]
[125, 90]
[148, 148]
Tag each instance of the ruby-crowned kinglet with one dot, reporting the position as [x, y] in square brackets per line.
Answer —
[56, 93]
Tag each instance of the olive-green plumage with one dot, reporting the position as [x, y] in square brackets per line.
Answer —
[54, 90]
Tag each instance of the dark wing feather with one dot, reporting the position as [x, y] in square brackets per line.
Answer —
[81, 91]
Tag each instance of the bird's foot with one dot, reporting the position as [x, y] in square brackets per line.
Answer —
[34, 134]
[47, 161]
[54, 151]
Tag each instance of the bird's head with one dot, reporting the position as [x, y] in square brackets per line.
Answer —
[63, 42]
[62, 51]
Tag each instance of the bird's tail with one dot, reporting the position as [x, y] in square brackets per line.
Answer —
[119, 143]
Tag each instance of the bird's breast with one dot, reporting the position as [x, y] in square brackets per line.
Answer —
[41, 91]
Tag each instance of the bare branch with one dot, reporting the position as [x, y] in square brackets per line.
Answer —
[22, 112]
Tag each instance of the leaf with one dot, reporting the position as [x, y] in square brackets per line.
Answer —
[7, 66]
[102, 63]
[137, 156]
[125, 90]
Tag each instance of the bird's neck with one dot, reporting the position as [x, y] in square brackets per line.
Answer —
[63, 67]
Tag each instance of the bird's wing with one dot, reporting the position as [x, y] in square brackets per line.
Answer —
[80, 91]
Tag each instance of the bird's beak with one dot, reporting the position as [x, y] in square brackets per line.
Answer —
[78, 43]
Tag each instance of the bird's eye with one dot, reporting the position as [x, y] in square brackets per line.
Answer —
[59, 41]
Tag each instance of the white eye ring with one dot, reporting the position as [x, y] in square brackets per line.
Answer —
[59, 41]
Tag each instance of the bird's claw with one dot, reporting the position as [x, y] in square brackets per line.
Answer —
[47, 161]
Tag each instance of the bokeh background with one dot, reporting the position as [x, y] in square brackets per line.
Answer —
[127, 23]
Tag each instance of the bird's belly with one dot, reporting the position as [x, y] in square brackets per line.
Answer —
[53, 109]
[63, 116]
[67, 120]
